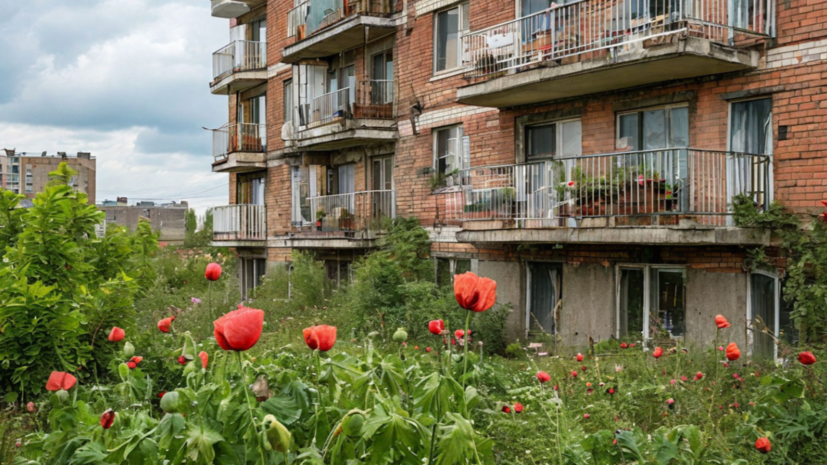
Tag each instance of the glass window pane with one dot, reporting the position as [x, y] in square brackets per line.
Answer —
[762, 288]
[680, 127]
[570, 133]
[288, 100]
[751, 127]
[540, 140]
[447, 32]
[627, 137]
[462, 266]
[668, 301]
[631, 303]
[654, 129]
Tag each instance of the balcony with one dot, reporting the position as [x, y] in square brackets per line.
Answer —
[233, 8]
[673, 196]
[327, 27]
[238, 148]
[356, 218]
[239, 225]
[239, 66]
[591, 46]
[344, 118]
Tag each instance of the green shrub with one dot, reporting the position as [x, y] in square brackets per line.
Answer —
[515, 351]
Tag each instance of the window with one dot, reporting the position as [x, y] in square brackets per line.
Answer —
[381, 89]
[545, 284]
[303, 184]
[651, 302]
[251, 272]
[657, 128]
[288, 101]
[29, 185]
[250, 188]
[449, 151]
[750, 133]
[558, 139]
[449, 26]
[258, 31]
[766, 308]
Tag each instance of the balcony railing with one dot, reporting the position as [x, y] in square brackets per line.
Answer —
[371, 99]
[670, 182]
[243, 137]
[240, 55]
[375, 99]
[314, 15]
[239, 223]
[358, 211]
[610, 26]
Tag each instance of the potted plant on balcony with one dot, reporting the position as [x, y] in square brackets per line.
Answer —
[320, 214]
[346, 221]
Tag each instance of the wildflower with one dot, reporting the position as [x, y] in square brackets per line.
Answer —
[672, 382]
[60, 381]
[321, 337]
[579, 357]
[416, 347]
[763, 445]
[618, 368]
[588, 384]
[573, 374]
[30, 407]
[726, 365]
[453, 342]
[506, 409]
[806, 358]
[670, 401]
[436, 326]
[239, 329]
[657, 352]
[107, 419]
[195, 300]
[699, 376]
[735, 376]
[632, 344]
[136, 359]
[602, 384]
[459, 334]
[684, 378]
[556, 387]
[732, 351]
[610, 391]
[131, 365]
[204, 359]
[165, 324]
[182, 360]
[736, 405]
[752, 404]
[518, 407]
[475, 293]
[623, 345]
[589, 391]
[428, 349]
[161, 394]
[543, 377]
[116, 334]
[586, 416]
[213, 272]
[583, 368]
[571, 183]
[721, 322]
[721, 348]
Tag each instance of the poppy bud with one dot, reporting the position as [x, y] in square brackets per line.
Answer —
[204, 359]
[579, 357]
[763, 445]
[213, 272]
[698, 376]
[353, 423]
[805, 358]
[123, 370]
[573, 373]
[107, 419]
[63, 395]
[583, 368]
[170, 402]
[277, 435]
[400, 335]
[657, 352]
[518, 407]
[128, 350]
[586, 416]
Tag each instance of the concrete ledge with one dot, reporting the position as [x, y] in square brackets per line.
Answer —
[322, 243]
[619, 235]
[642, 63]
[348, 133]
[241, 162]
[238, 81]
[238, 243]
[344, 35]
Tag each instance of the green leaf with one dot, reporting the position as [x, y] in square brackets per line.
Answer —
[283, 407]
[11, 397]
[200, 442]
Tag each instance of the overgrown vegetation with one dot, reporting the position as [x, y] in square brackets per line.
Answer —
[195, 237]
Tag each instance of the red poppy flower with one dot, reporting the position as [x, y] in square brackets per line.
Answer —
[763, 445]
[453, 342]
[732, 352]
[579, 357]
[543, 377]
[416, 347]
[657, 352]
[428, 349]
[573, 374]
[586, 416]
[131, 365]
[518, 407]
[161, 394]
[459, 333]
[583, 368]
[213, 272]
[721, 322]
[670, 401]
[204, 359]
[321, 337]
[610, 391]
[436, 326]
[475, 293]
[623, 345]
[59, 380]
[506, 409]
[556, 387]
[806, 358]
[116, 334]
[632, 344]
[136, 359]
[107, 419]
[182, 360]
[239, 329]
[698, 376]
[165, 324]
[684, 378]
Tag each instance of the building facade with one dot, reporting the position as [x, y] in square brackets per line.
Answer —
[27, 173]
[169, 220]
[583, 154]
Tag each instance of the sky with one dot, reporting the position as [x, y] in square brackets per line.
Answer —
[128, 81]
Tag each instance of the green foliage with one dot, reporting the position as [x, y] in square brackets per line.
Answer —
[308, 282]
[515, 351]
[195, 237]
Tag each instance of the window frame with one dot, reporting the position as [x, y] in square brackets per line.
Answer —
[288, 106]
[435, 140]
[463, 9]
[647, 294]
[777, 312]
[639, 135]
[558, 138]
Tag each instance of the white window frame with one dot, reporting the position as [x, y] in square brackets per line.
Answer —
[647, 294]
[460, 33]
[653, 108]
[558, 136]
[776, 316]
[462, 158]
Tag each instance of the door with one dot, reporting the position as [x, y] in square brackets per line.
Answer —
[750, 133]
[544, 291]
[764, 313]
[382, 198]
[632, 305]
[668, 302]
[381, 86]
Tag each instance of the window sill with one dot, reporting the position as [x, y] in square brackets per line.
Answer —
[447, 73]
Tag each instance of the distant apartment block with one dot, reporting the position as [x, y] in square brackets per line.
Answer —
[27, 173]
[168, 218]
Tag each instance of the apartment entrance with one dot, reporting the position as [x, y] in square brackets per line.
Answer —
[544, 294]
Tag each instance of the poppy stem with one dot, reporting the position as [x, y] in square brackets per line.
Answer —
[209, 299]
[465, 355]
[250, 406]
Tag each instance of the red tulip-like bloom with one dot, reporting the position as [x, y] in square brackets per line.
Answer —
[165, 324]
[239, 329]
[763, 445]
[59, 380]
[506, 409]
[657, 352]
[721, 322]
[518, 407]
[579, 357]
[459, 333]
[131, 365]
[321, 337]
[543, 377]
[475, 293]
[213, 272]
[436, 326]
[806, 358]
[107, 419]
[116, 334]
[732, 351]
[204, 359]
[623, 345]
[182, 360]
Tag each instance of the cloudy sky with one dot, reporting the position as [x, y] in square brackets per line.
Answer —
[124, 79]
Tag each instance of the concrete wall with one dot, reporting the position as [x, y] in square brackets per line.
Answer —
[510, 277]
[588, 304]
[710, 294]
[169, 221]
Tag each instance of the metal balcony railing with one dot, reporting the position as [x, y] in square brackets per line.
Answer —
[358, 211]
[375, 99]
[239, 222]
[680, 181]
[329, 107]
[585, 27]
[243, 137]
[239, 55]
[312, 16]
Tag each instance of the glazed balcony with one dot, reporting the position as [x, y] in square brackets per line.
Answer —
[238, 66]
[344, 118]
[239, 223]
[358, 215]
[233, 8]
[686, 189]
[591, 46]
[238, 148]
[327, 27]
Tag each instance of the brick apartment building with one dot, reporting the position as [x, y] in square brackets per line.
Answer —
[27, 173]
[582, 154]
